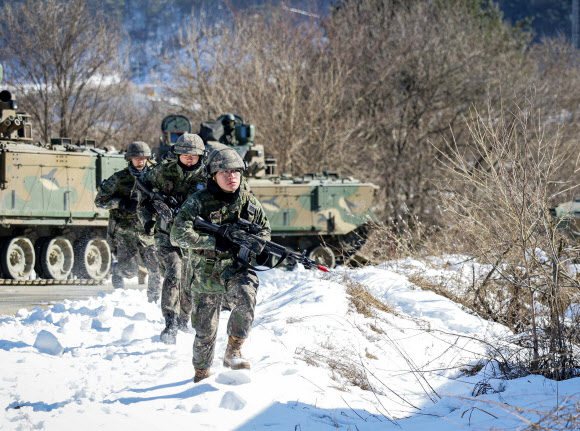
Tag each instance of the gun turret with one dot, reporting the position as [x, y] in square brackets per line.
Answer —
[14, 126]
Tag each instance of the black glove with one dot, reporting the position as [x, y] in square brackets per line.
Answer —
[150, 227]
[224, 231]
[253, 243]
[222, 244]
[148, 205]
[128, 204]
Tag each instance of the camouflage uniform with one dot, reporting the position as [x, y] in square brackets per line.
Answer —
[125, 233]
[229, 136]
[171, 180]
[214, 274]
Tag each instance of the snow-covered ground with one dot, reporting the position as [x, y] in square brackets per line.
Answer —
[317, 364]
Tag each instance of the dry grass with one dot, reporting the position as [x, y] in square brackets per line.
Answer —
[370, 355]
[363, 302]
[564, 417]
[344, 370]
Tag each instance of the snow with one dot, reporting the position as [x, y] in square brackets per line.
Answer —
[317, 364]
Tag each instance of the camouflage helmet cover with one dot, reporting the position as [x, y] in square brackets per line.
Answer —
[224, 159]
[137, 149]
[189, 143]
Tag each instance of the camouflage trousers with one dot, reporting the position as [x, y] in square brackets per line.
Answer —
[174, 297]
[128, 246]
[241, 295]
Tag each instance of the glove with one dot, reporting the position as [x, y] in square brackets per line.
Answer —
[128, 204]
[222, 244]
[150, 227]
[148, 205]
[224, 231]
[253, 243]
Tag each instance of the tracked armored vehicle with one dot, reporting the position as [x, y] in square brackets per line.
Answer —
[568, 215]
[323, 214]
[50, 229]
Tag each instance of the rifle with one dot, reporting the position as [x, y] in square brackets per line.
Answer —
[242, 233]
[165, 206]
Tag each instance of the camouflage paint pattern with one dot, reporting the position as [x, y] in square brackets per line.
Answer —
[321, 205]
[48, 191]
[55, 187]
[568, 214]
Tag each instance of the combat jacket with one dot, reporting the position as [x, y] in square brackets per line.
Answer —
[118, 186]
[229, 138]
[209, 268]
[170, 179]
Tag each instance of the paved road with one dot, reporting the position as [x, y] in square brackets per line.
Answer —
[13, 298]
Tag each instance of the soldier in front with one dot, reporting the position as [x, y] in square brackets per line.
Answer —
[215, 272]
[175, 179]
[126, 235]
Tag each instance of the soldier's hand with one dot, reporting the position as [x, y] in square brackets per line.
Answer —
[148, 205]
[224, 231]
[222, 244]
[128, 204]
[253, 243]
[150, 227]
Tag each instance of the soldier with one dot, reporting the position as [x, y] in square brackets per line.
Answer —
[229, 136]
[126, 234]
[215, 272]
[175, 179]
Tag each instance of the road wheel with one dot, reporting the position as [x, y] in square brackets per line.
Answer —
[17, 258]
[56, 258]
[93, 258]
[322, 255]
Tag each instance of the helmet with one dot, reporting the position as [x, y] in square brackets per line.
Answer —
[227, 118]
[229, 121]
[137, 149]
[224, 159]
[189, 143]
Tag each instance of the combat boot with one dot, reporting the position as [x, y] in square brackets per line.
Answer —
[233, 357]
[169, 334]
[182, 324]
[153, 297]
[200, 374]
[118, 282]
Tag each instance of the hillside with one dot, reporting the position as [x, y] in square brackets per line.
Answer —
[323, 358]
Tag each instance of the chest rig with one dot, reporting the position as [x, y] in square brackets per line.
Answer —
[216, 212]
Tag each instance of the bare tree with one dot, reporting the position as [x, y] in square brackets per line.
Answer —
[273, 70]
[373, 91]
[65, 64]
[420, 66]
[496, 196]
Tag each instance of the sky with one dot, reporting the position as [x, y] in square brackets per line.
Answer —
[316, 363]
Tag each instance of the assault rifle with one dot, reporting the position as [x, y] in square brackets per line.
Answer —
[243, 233]
[165, 206]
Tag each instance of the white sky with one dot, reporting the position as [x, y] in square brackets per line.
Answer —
[104, 368]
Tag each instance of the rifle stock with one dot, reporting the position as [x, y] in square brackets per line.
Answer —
[270, 247]
[158, 201]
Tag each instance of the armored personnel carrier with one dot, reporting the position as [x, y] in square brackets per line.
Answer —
[323, 214]
[50, 230]
[568, 215]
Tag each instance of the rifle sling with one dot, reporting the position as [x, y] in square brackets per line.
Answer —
[252, 267]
